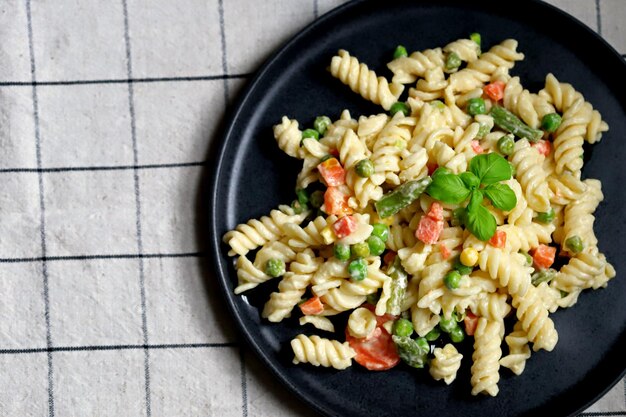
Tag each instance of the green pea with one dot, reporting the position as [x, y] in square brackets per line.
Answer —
[462, 269]
[433, 335]
[402, 328]
[438, 104]
[376, 245]
[310, 133]
[341, 251]
[364, 168]
[475, 37]
[400, 52]
[453, 61]
[546, 217]
[458, 216]
[321, 123]
[357, 269]
[316, 199]
[400, 106]
[551, 122]
[275, 267]
[381, 231]
[303, 196]
[457, 334]
[447, 325]
[483, 130]
[360, 250]
[297, 207]
[506, 144]
[574, 244]
[476, 106]
[452, 280]
[529, 259]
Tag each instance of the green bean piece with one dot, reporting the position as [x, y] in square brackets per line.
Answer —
[475, 37]
[303, 196]
[513, 170]
[453, 62]
[402, 328]
[529, 259]
[275, 267]
[341, 251]
[310, 133]
[512, 124]
[316, 199]
[357, 269]
[376, 245]
[457, 335]
[400, 106]
[433, 335]
[321, 123]
[458, 216]
[360, 250]
[546, 217]
[413, 352]
[297, 207]
[506, 144]
[574, 244]
[447, 325]
[401, 197]
[476, 106]
[364, 168]
[483, 129]
[544, 275]
[452, 280]
[399, 282]
[400, 52]
[381, 231]
[551, 122]
[463, 269]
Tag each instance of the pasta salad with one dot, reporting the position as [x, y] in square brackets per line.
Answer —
[460, 206]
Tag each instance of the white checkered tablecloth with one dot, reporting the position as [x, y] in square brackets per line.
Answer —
[108, 110]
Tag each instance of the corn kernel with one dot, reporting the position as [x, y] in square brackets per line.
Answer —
[374, 218]
[469, 257]
[328, 234]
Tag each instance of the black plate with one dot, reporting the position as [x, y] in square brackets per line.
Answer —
[251, 176]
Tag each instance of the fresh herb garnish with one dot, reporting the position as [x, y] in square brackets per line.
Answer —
[481, 181]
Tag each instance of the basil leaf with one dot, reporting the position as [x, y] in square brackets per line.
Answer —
[440, 171]
[448, 188]
[501, 196]
[481, 222]
[470, 180]
[490, 168]
[476, 199]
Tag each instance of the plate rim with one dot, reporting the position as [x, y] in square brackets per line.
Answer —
[221, 142]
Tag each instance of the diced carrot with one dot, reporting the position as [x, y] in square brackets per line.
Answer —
[389, 257]
[336, 202]
[332, 172]
[345, 226]
[498, 239]
[432, 167]
[435, 211]
[312, 306]
[429, 230]
[470, 321]
[445, 252]
[543, 146]
[543, 256]
[476, 147]
[495, 90]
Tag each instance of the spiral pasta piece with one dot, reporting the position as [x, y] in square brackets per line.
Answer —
[568, 139]
[566, 188]
[388, 147]
[322, 352]
[530, 108]
[369, 128]
[431, 286]
[329, 275]
[466, 49]
[364, 81]
[423, 320]
[503, 55]
[584, 270]
[288, 136]
[361, 323]
[533, 315]
[519, 351]
[445, 364]
[508, 268]
[252, 274]
[527, 161]
[407, 70]
[414, 165]
[521, 215]
[578, 218]
[319, 322]
[255, 233]
[292, 287]
[432, 86]
[527, 237]
[309, 236]
[486, 356]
